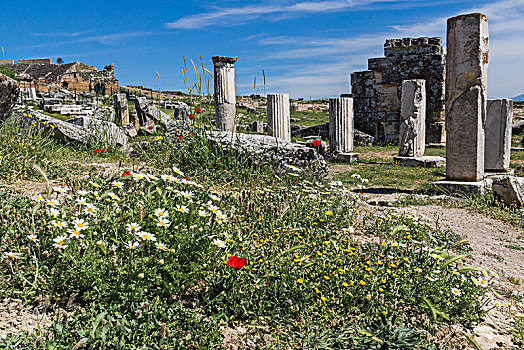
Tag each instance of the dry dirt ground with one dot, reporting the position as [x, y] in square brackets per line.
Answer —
[493, 246]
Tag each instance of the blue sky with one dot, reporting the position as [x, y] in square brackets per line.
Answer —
[306, 47]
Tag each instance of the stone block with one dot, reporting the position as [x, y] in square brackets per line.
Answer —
[420, 162]
[346, 158]
[462, 188]
[509, 190]
[498, 135]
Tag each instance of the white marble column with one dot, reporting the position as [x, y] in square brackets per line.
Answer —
[225, 98]
[278, 121]
[341, 125]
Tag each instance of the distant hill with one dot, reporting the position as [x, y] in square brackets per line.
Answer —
[518, 98]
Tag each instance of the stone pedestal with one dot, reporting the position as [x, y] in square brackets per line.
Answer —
[466, 82]
[498, 135]
[121, 109]
[422, 162]
[225, 98]
[278, 121]
[462, 188]
[341, 125]
[412, 131]
[346, 158]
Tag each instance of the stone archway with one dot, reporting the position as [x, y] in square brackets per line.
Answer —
[100, 89]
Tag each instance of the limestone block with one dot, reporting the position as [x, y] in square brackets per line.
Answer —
[101, 132]
[341, 127]
[9, 93]
[278, 116]
[498, 135]
[466, 83]
[412, 131]
[509, 190]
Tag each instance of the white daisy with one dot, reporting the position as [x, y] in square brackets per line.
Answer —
[219, 243]
[53, 212]
[132, 245]
[61, 242]
[113, 196]
[456, 291]
[133, 227]
[53, 202]
[90, 209]
[80, 224]
[38, 198]
[12, 255]
[160, 246]
[74, 233]
[182, 209]
[82, 193]
[162, 223]
[146, 236]
[161, 213]
[33, 238]
[118, 184]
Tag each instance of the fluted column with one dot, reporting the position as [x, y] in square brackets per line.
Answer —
[225, 98]
[341, 125]
[278, 116]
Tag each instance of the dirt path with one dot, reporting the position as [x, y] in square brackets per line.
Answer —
[498, 247]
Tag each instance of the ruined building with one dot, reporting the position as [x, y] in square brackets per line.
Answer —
[43, 75]
[377, 91]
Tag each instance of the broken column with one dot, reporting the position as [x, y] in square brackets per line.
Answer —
[413, 118]
[412, 130]
[278, 120]
[121, 109]
[498, 135]
[225, 98]
[341, 129]
[466, 84]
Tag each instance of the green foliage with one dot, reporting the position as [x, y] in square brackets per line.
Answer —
[6, 71]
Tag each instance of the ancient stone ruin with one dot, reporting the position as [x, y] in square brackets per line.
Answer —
[9, 92]
[341, 130]
[225, 97]
[412, 130]
[377, 92]
[466, 97]
[278, 122]
[497, 148]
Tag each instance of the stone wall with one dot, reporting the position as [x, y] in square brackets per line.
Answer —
[377, 91]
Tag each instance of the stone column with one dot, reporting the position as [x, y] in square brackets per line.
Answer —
[412, 131]
[279, 124]
[341, 125]
[121, 109]
[498, 135]
[225, 98]
[466, 82]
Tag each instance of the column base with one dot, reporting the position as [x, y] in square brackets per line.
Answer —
[347, 158]
[461, 188]
[423, 162]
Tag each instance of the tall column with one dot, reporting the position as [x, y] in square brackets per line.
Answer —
[412, 131]
[279, 124]
[121, 109]
[341, 125]
[498, 135]
[466, 83]
[225, 98]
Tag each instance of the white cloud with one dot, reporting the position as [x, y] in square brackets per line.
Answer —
[235, 16]
[328, 61]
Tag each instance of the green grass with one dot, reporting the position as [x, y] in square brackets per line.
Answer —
[309, 280]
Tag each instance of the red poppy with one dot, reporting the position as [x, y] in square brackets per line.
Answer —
[127, 174]
[96, 150]
[150, 127]
[316, 143]
[100, 150]
[198, 110]
[107, 149]
[190, 116]
[181, 137]
[236, 262]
